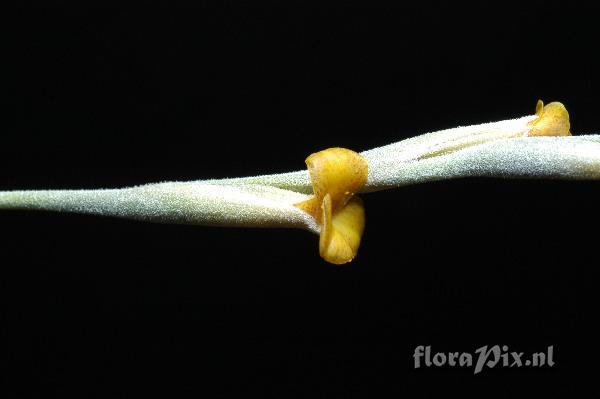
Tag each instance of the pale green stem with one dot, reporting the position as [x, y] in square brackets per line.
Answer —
[181, 203]
[499, 149]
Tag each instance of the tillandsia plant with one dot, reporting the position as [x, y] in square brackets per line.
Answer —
[323, 198]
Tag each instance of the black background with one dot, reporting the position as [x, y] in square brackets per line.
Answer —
[105, 97]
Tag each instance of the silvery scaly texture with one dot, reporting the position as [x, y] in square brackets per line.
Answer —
[498, 149]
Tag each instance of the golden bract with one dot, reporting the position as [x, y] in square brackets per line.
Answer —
[553, 120]
[336, 175]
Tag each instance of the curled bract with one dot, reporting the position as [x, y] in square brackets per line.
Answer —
[336, 175]
[552, 120]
